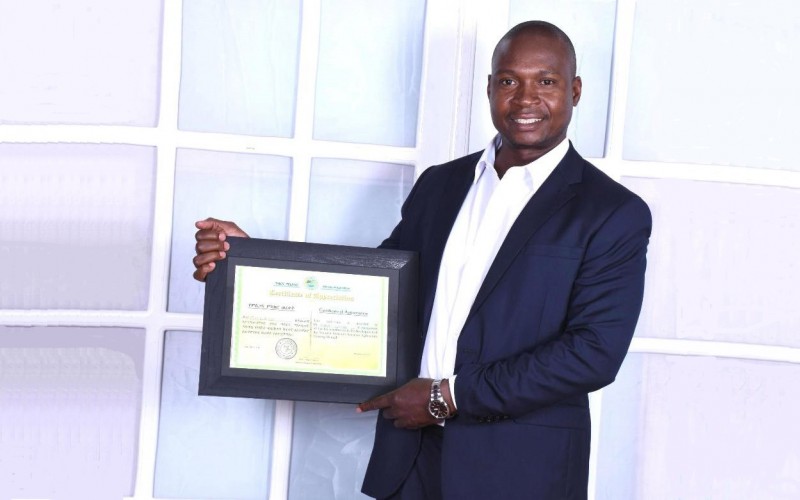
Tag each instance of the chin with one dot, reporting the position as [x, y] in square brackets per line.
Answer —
[527, 142]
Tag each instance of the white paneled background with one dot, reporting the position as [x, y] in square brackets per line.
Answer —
[122, 123]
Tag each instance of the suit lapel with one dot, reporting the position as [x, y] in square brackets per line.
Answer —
[550, 197]
[458, 184]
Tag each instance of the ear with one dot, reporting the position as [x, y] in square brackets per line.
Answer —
[577, 87]
[489, 85]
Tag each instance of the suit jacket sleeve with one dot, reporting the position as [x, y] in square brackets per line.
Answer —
[586, 355]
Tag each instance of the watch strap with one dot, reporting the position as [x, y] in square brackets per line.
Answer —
[437, 406]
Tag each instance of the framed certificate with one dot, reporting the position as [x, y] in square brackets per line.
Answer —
[309, 322]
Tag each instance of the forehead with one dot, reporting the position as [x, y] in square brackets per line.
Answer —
[532, 51]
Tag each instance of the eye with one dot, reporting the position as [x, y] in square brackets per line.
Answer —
[547, 81]
[506, 81]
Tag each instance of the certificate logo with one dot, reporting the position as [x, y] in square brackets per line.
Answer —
[311, 283]
[286, 348]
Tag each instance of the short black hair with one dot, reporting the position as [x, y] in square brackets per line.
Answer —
[540, 28]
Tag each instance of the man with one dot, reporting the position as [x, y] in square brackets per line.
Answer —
[531, 277]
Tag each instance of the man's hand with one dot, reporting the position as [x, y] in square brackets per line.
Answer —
[211, 245]
[407, 405]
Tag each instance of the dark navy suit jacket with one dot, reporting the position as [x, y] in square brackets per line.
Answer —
[552, 322]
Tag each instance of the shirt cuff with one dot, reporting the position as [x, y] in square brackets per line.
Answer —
[453, 391]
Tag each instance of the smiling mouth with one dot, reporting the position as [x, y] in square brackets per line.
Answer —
[527, 121]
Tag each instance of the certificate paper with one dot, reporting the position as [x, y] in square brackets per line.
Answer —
[308, 321]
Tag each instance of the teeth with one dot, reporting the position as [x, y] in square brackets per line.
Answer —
[527, 121]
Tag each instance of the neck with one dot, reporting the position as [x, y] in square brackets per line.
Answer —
[508, 156]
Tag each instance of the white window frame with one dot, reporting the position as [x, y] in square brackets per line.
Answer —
[447, 62]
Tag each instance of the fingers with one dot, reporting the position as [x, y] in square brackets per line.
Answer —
[201, 259]
[406, 406]
[209, 235]
[207, 255]
[220, 226]
[390, 412]
[211, 245]
[201, 272]
[378, 403]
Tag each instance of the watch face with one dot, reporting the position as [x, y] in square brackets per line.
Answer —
[438, 409]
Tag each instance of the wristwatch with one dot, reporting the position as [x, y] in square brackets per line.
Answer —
[437, 406]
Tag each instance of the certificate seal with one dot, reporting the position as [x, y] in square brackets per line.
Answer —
[286, 348]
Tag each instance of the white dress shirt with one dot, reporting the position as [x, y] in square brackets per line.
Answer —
[487, 214]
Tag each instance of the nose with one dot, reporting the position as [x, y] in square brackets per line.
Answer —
[527, 93]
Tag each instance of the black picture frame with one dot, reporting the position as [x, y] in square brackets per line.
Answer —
[403, 338]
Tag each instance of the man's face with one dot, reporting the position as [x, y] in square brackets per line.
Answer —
[532, 92]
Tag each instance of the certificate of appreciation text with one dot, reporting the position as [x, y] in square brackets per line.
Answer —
[308, 321]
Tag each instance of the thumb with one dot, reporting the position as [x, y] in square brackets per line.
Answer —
[220, 226]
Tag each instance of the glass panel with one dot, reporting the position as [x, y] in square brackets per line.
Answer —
[208, 447]
[70, 399]
[77, 222]
[590, 26]
[700, 427]
[239, 66]
[252, 190]
[81, 62]
[693, 96]
[330, 451]
[722, 262]
[368, 76]
[355, 202]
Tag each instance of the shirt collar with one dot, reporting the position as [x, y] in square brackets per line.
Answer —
[544, 165]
